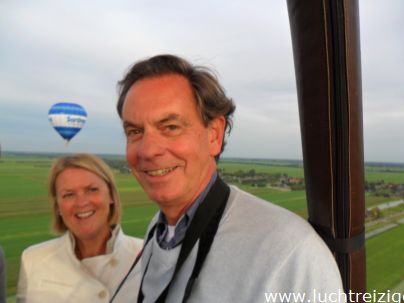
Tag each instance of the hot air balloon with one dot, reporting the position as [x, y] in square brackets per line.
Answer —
[67, 119]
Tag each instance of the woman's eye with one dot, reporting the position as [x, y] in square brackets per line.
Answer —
[93, 189]
[67, 195]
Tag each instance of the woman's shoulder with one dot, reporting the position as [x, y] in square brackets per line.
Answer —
[43, 249]
[132, 243]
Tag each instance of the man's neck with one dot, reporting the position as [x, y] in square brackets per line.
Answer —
[175, 212]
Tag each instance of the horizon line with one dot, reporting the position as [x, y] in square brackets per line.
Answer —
[225, 158]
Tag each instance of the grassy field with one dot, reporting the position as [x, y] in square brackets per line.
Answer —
[292, 171]
[25, 213]
[388, 174]
[385, 259]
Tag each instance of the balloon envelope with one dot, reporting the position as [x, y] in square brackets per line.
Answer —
[67, 119]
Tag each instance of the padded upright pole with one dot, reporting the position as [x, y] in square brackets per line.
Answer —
[326, 49]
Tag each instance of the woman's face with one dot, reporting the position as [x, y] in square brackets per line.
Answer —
[84, 203]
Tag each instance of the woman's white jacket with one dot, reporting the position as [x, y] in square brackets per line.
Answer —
[50, 272]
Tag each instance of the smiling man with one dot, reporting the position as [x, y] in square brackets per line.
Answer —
[169, 149]
[209, 242]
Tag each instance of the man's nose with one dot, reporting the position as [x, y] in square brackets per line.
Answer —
[150, 146]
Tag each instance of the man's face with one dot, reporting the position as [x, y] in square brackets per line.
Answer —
[169, 149]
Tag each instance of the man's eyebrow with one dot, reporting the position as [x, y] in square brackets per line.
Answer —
[169, 118]
[127, 124]
[165, 119]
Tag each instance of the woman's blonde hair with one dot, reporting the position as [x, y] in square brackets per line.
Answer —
[93, 164]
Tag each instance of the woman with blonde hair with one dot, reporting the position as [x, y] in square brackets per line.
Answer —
[92, 259]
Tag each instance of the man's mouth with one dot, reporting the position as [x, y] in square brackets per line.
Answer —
[160, 172]
[86, 214]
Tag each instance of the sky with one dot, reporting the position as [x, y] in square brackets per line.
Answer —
[76, 51]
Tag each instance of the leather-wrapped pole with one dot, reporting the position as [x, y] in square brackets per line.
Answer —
[326, 50]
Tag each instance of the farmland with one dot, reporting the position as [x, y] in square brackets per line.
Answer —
[385, 259]
[25, 211]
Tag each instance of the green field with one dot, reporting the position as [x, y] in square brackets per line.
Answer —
[25, 213]
[292, 171]
[389, 175]
[385, 259]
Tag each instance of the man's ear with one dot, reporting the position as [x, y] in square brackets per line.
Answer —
[216, 134]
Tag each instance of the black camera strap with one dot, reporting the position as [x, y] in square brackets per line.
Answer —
[137, 259]
[203, 227]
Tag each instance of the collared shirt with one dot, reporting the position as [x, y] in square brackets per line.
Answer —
[183, 223]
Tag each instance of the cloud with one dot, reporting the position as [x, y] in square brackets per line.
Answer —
[77, 51]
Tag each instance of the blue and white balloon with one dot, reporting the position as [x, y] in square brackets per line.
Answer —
[67, 119]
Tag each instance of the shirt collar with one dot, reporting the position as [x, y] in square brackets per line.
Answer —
[190, 213]
[184, 221]
[115, 229]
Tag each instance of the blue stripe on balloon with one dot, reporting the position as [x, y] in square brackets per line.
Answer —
[67, 132]
[68, 108]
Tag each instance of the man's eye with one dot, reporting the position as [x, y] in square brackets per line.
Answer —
[133, 132]
[172, 127]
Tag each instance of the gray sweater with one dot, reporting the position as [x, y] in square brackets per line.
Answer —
[260, 252]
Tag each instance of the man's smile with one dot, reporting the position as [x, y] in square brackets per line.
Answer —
[160, 172]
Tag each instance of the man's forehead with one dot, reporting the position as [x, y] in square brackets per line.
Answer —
[158, 104]
[171, 86]
[156, 118]
[166, 80]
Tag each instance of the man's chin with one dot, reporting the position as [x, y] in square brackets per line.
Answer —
[163, 200]
[160, 200]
